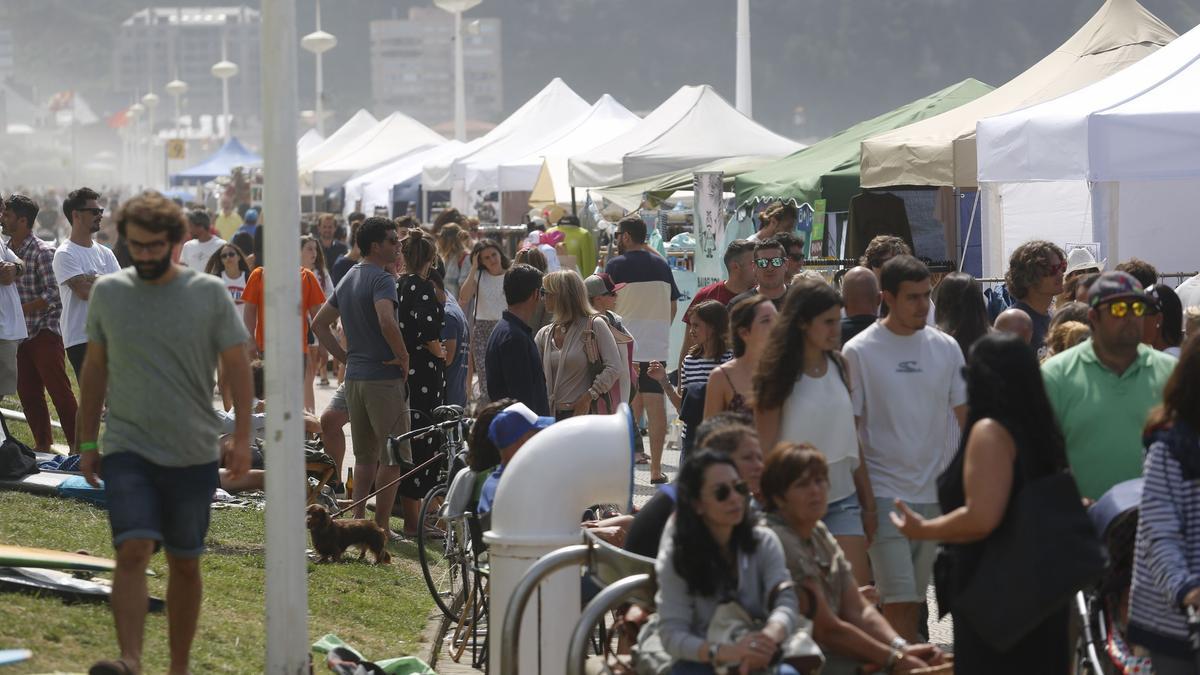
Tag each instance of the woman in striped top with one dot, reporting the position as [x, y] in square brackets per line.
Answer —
[708, 327]
[1166, 567]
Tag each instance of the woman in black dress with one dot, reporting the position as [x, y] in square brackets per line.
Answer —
[1011, 438]
[420, 316]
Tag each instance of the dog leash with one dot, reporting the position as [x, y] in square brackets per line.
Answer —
[424, 464]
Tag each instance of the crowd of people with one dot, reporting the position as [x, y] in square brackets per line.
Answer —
[838, 438]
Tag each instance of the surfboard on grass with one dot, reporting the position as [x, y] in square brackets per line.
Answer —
[44, 558]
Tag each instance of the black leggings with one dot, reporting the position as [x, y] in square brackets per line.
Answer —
[75, 354]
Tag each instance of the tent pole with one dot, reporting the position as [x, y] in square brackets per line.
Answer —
[970, 226]
[574, 209]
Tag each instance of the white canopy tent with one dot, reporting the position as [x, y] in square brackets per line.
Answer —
[395, 136]
[1115, 163]
[606, 120]
[311, 139]
[360, 123]
[692, 127]
[940, 150]
[547, 109]
[374, 188]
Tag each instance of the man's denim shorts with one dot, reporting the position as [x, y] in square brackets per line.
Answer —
[168, 505]
[844, 517]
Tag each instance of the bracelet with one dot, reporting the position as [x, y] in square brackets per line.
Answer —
[892, 660]
[89, 446]
[899, 643]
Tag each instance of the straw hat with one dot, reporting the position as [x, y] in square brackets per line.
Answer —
[1080, 259]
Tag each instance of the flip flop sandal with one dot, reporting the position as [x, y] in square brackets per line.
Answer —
[641, 458]
[660, 480]
[117, 667]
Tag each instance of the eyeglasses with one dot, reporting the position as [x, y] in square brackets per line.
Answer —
[94, 210]
[1120, 308]
[796, 257]
[724, 490]
[764, 262]
[229, 254]
[148, 246]
[542, 292]
[1060, 268]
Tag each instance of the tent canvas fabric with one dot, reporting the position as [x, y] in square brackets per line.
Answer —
[311, 139]
[829, 169]
[629, 196]
[1113, 163]
[692, 127]
[374, 188]
[555, 100]
[941, 150]
[607, 119]
[358, 124]
[230, 156]
[394, 136]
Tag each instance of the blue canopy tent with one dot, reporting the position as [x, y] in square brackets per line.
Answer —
[231, 155]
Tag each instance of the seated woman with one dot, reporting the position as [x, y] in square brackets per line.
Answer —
[847, 628]
[712, 552]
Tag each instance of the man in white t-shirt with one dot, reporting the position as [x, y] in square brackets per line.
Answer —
[907, 380]
[12, 319]
[200, 248]
[78, 262]
[1189, 293]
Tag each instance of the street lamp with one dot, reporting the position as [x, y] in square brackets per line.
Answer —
[150, 100]
[457, 7]
[318, 42]
[135, 112]
[744, 97]
[177, 88]
[223, 70]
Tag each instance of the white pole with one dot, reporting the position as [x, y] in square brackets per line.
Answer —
[319, 107]
[225, 93]
[460, 92]
[744, 95]
[286, 585]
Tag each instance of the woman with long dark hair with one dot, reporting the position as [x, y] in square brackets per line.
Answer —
[712, 552]
[1012, 438]
[1163, 327]
[421, 317]
[485, 286]
[229, 263]
[1166, 565]
[802, 395]
[960, 310]
[730, 384]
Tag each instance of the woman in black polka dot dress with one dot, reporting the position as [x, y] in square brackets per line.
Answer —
[421, 316]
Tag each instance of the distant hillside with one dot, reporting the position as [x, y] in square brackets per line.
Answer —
[842, 60]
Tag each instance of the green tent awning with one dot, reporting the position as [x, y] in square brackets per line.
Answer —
[829, 169]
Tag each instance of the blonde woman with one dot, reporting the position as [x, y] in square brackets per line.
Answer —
[455, 257]
[580, 358]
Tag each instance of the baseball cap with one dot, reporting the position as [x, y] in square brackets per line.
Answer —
[599, 284]
[514, 422]
[1115, 286]
[251, 216]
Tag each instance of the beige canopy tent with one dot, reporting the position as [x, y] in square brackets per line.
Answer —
[941, 150]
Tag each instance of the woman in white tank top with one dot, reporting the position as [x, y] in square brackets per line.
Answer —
[802, 395]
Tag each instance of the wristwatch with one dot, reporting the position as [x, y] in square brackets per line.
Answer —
[713, 648]
[593, 394]
[899, 643]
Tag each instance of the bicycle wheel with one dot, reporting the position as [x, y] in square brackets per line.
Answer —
[442, 548]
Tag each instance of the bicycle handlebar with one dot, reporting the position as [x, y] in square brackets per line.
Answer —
[424, 431]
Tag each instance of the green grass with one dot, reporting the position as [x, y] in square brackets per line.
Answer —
[381, 611]
[21, 430]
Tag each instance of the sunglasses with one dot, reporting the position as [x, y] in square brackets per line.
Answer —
[1060, 268]
[229, 254]
[762, 263]
[724, 490]
[542, 292]
[95, 210]
[1120, 308]
[796, 257]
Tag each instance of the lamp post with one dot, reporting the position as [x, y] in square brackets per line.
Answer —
[223, 70]
[135, 112]
[457, 7]
[150, 100]
[318, 42]
[177, 88]
[744, 97]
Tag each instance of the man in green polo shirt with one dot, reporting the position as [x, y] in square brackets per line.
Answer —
[1102, 390]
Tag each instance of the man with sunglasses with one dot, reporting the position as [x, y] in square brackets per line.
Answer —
[1102, 389]
[78, 262]
[770, 274]
[1034, 278]
[793, 247]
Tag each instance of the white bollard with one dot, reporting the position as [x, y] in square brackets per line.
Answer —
[554, 477]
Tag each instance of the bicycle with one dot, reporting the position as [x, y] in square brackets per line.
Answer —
[443, 543]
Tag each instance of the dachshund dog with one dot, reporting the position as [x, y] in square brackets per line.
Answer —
[332, 537]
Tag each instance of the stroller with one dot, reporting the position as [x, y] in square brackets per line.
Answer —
[1100, 646]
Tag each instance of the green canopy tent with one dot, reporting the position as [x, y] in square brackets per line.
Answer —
[829, 169]
[655, 189]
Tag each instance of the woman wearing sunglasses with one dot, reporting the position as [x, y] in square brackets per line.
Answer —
[580, 359]
[712, 552]
[230, 264]
[847, 627]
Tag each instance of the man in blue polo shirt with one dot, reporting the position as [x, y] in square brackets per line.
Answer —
[513, 364]
[509, 430]
[1102, 389]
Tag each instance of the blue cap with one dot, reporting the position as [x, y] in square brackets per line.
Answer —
[251, 216]
[514, 422]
